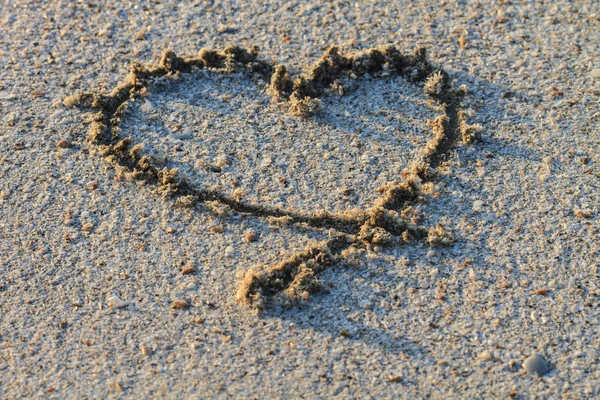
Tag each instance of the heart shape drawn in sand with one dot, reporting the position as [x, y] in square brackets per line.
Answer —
[329, 161]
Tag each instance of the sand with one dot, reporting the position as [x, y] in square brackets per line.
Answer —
[91, 259]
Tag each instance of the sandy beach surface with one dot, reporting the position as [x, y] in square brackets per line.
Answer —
[123, 281]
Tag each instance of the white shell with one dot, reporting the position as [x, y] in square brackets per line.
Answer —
[114, 301]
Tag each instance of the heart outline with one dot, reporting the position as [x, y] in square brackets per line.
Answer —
[294, 276]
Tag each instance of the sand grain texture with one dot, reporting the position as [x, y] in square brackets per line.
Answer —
[406, 320]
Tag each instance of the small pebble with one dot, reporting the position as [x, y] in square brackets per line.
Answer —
[266, 162]
[216, 229]
[583, 214]
[536, 364]
[147, 107]
[114, 301]
[188, 270]
[345, 333]
[472, 274]
[486, 356]
[64, 144]
[180, 304]
[87, 227]
[477, 205]
[249, 237]
[146, 351]
[93, 185]
[595, 73]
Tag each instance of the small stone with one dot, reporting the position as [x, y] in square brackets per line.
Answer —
[477, 205]
[180, 304]
[87, 227]
[64, 144]
[345, 333]
[472, 275]
[44, 250]
[114, 301]
[222, 28]
[229, 251]
[249, 237]
[536, 364]
[595, 73]
[486, 356]
[583, 214]
[147, 107]
[93, 185]
[266, 162]
[146, 351]
[216, 229]
[188, 270]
